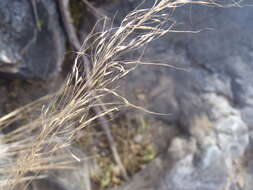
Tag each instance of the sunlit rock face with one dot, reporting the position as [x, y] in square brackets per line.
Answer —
[32, 43]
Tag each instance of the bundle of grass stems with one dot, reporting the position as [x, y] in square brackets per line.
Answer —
[41, 144]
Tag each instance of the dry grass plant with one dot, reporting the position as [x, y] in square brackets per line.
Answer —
[41, 144]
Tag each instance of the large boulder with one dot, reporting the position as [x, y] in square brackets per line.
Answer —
[32, 43]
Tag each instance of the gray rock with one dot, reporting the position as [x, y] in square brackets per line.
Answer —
[218, 84]
[30, 45]
[74, 178]
[232, 132]
[233, 136]
[207, 173]
[247, 116]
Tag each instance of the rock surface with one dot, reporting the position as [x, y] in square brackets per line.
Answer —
[217, 86]
[32, 43]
